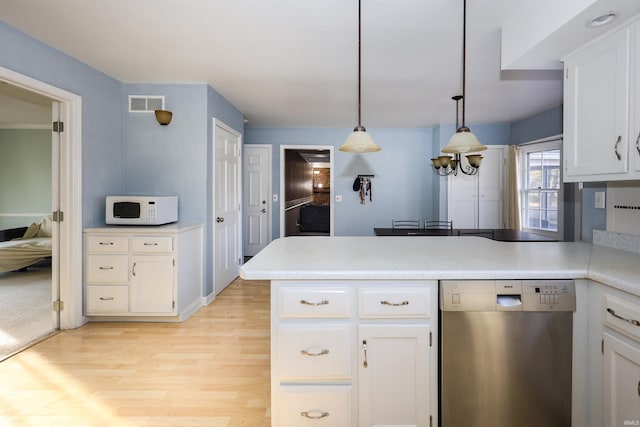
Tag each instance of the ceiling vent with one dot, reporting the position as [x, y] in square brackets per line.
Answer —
[145, 104]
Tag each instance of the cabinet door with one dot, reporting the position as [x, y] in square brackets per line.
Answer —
[621, 382]
[152, 281]
[596, 109]
[393, 383]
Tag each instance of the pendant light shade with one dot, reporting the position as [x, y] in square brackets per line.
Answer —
[463, 141]
[359, 141]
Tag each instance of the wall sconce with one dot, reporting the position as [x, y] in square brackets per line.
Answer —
[163, 117]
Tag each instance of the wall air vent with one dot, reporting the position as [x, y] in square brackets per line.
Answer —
[145, 103]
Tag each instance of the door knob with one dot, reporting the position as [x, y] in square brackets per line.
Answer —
[219, 219]
[264, 202]
[264, 211]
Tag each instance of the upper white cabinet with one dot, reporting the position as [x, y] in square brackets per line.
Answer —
[600, 118]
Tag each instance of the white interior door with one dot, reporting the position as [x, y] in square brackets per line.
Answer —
[227, 210]
[256, 199]
[491, 188]
[463, 200]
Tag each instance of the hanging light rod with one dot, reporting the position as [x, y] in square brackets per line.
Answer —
[359, 141]
[463, 141]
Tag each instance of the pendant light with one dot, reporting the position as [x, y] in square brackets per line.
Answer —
[463, 141]
[359, 141]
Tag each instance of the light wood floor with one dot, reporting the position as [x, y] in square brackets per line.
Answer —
[211, 370]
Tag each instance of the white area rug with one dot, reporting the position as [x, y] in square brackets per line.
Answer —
[25, 307]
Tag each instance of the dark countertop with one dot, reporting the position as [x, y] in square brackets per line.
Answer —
[499, 234]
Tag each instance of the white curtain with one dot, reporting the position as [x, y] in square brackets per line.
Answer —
[513, 189]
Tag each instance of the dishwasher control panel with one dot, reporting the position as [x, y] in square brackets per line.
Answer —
[507, 295]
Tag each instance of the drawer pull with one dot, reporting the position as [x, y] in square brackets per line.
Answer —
[615, 148]
[638, 143]
[364, 348]
[106, 267]
[617, 316]
[309, 414]
[151, 244]
[107, 298]
[305, 302]
[320, 353]
[106, 243]
[394, 304]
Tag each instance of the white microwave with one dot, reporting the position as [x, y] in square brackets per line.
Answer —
[141, 210]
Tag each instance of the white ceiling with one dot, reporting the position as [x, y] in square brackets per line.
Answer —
[293, 63]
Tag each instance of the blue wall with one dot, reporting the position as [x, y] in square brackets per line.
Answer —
[405, 185]
[542, 125]
[101, 112]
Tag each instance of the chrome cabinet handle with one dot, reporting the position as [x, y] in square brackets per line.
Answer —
[320, 353]
[364, 348]
[133, 269]
[638, 143]
[634, 322]
[106, 243]
[106, 298]
[151, 244]
[615, 148]
[106, 267]
[308, 414]
[305, 302]
[394, 304]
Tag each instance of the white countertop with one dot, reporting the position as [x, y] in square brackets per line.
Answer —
[464, 257]
[143, 229]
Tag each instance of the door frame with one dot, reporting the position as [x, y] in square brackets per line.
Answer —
[69, 257]
[330, 148]
[269, 147]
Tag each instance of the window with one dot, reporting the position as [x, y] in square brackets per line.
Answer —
[541, 192]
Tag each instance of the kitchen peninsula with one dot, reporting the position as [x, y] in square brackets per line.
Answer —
[354, 320]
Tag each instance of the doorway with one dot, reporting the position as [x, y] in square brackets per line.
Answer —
[66, 197]
[256, 198]
[28, 180]
[306, 178]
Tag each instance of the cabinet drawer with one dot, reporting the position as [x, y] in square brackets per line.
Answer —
[107, 243]
[107, 268]
[623, 316]
[317, 405]
[321, 302]
[107, 299]
[307, 351]
[400, 302]
[152, 244]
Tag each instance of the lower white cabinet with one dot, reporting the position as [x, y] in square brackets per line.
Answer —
[621, 347]
[622, 382]
[394, 375]
[353, 353]
[136, 272]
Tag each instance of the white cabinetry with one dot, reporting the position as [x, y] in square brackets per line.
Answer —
[599, 127]
[154, 271]
[476, 201]
[353, 353]
[621, 361]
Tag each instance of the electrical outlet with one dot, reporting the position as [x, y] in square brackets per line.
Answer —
[599, 199]
[338, 198]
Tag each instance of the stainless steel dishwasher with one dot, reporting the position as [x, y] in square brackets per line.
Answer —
[505, 353]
